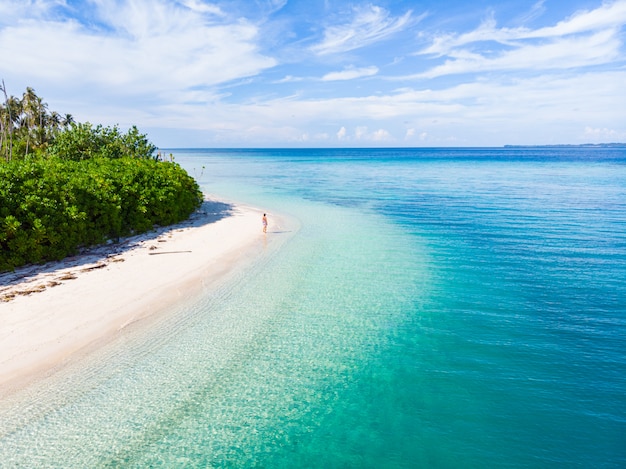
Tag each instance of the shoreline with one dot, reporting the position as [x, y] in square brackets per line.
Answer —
[58, 312]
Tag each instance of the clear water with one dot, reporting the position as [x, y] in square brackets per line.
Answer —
[435, 308]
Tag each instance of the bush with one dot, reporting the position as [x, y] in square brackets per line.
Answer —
[49, 208]
[84, 141]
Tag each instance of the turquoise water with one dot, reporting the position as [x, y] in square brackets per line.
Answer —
[430, 308]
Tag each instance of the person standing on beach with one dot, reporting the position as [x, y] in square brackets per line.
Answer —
[264, 221]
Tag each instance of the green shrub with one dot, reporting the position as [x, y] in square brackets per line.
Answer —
[84, 141]
[49, 208]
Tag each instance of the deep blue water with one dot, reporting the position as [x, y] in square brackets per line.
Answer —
[436, 308]
[515, 352]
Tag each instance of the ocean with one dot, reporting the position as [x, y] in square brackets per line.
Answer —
[435, 308]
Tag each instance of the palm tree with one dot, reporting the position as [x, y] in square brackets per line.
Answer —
[26, 124]
[53, 124]
[11, 113]
[68, 120]
[29, 108]
[3, 127]
[6, 125]
[43, 122]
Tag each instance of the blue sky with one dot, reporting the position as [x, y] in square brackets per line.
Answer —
[322, 73]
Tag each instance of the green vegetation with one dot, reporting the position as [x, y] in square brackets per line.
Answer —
[66, 185]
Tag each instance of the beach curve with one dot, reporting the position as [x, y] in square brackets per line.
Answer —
[52, 313]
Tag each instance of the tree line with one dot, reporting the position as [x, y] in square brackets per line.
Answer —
[26, 125]
[66, 185]
[28, 128]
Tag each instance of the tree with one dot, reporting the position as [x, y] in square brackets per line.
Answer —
[85, 141]
[27, 127]
[30, 107]
[68, 120]
[65, 184]
[7, 124]
[54, 123]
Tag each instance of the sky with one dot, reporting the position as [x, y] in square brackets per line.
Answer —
[326, 73]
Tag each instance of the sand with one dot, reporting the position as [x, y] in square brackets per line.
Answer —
[53, 312]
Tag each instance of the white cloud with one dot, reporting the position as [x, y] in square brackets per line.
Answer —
[599, 48]
[360, 133]
[12, 11]
[381, 135]
[145, 47]
[603, 135]
[545, 109]
[203, 7]
[537, 10]
[188, 67]
[609, 16]
[350, 74]
[377, 136]
[586, 38]
[369, 25]
[410, 135]
[289, 79]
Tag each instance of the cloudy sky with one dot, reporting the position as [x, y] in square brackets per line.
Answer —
[326, 73]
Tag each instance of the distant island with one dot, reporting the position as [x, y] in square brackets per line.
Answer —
[581, 145]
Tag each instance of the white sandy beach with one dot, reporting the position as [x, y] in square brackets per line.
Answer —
[51, 313]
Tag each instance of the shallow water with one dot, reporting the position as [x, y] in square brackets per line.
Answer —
[436, 308]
